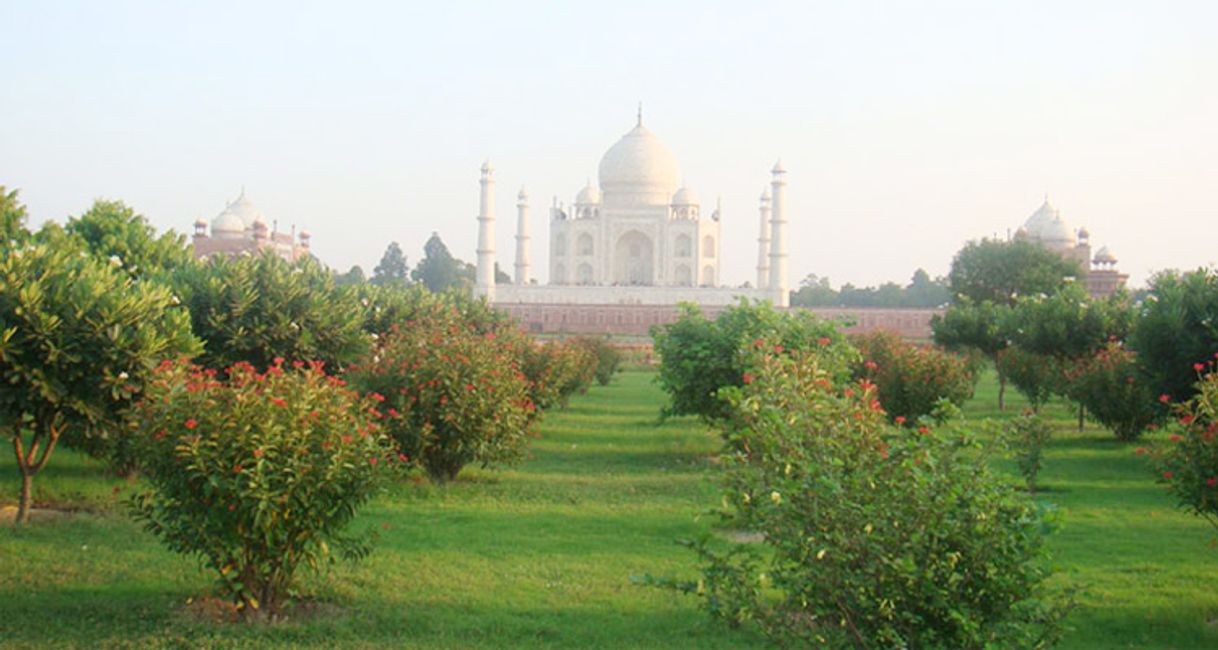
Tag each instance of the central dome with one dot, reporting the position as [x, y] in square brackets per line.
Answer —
[638, 170]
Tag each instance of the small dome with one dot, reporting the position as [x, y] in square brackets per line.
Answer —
[765, 195]
[523, 194]
[200, 223]
[588, 195]
[1083, 233]
[685, 196]
[639, 170]
[245, 210]
[1104, 256]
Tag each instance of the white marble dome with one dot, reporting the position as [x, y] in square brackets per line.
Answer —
[685, 196]
[245, 210]
[1104, 256]
[638, 170]
[588, 195]
[227, 224]
[1047, 227]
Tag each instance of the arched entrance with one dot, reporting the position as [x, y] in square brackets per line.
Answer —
[632, 260]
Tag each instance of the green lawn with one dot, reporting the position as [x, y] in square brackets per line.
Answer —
[541, 555]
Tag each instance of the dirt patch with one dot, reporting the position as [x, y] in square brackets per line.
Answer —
[218, 611]
[8, 514]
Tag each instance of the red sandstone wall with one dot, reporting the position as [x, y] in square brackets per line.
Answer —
[636, 320]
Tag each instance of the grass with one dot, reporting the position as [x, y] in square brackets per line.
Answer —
[541, 555]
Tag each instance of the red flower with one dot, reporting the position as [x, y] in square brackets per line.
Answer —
[1175, 437]
[923, 430]
[870, 365]
[1165, 398]
[190, 423]
[1198, 367]
[347, 438]
[237, 469]
[232, 507]
[258, 453]
[1140, 451]
[377, 396]
[1187, 419]
[298, 364]
[758, 343]
[161, 434]
[403, 458]
[900, 419]
[748, 378]
[1211, 481]
[778, 348]
[1167, 475]
[279, 361]
[824, 340]
[373, 461]
[278, 402]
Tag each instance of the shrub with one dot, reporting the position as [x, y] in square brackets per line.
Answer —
[258, 474]
[78, 337]
[1035, 376]
[1109, 386]
[699, 356]
[556, 371]
[1176, 327]
[1028, 434]
[873, 536]
[255, 309]
[451, 396]
[911, 379]
[608, 358]
[1188, 463]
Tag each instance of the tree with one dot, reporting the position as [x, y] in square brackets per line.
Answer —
[353, 277]
[1177, 327]
[112, 230]
[77, 339]
[924, 292]
[392, 269]
[12, 219]
[256, 309]
[1002, 271]
[977, 326]
[814, 291]
[439, 270]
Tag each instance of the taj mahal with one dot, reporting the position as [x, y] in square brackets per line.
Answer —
[641, 238]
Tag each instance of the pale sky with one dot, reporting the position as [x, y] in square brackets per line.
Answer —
[906, 128]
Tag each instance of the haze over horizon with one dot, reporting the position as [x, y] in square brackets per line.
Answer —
[907, 128]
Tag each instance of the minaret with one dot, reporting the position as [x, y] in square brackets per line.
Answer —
[763, 243]
[778, 237]
[522, 237]
[484, 284]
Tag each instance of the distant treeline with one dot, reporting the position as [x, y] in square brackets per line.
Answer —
[921, 292]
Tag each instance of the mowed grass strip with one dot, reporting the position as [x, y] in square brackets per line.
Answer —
[541, 555]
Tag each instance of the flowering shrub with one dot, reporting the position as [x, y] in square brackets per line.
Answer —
[608, 358]
[1110, 387]
[911, 379]
[699, 356]
[449, 395]
[1188, 463]
[258, 474]
[556, 371]
[874, 536]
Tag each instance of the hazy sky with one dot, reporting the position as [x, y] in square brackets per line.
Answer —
[907, 128]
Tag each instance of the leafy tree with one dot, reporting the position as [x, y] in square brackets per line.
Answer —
[500, 276]
[12, 219]
[1001, 272]
[1177, 327]
[112, 230]
[255, 309]
[353, 277]
[921, 292]
[392, 268]
[78, 337]
[911, 380]
[978, 326]
[699, 357]
[439, 270]
[814, 291]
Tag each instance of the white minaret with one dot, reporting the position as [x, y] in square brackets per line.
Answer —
[763, 243]
[778, 237]
[484, 284]
[522, 237]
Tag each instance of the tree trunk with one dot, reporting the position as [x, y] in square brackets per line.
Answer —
[1002, 385]
[23, 506]
[1082, 412]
